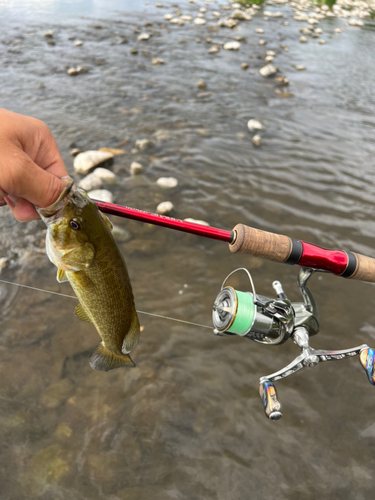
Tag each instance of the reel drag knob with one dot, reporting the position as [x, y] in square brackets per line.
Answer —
[271, 405]
[367, 359]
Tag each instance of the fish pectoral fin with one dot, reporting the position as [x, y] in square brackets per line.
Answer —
[61, 276]
[81, 313]
[106, 221]
[132, 337]
[103, 359]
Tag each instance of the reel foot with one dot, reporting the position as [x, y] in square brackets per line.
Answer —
[271, 405]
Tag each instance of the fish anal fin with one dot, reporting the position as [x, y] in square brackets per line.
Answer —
[61, 276]
[81, 313]
[106, 221]
[103, 359]
[132, 337]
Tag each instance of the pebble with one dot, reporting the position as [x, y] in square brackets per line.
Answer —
[75, 71]
[269, 59]
[203, 10]
[257, 140]
[240, 15]
[214, 49]
[199, 21]
[268, 70]
[167, 182]
[177, 20]
[231, 45]
[318, 31]
[143, 144]
[355, 22]
[114, 151]
[271, 53]
[90, 182]
[121, 235]
[305, 31]
[157, 61]
[48, 34]
[78, 43]
[303, 39]
[273, 14]
[101, 195]
[322, 42]
[75, 151]
[136, 168]
[282, 80]
[254, 125]
[168, 17]
[134, 51]
[164, 208]
[196, 221]
[186, 17]
[105, 175]
[202, 84]
[259, 30]
[3, 263]
[311, 20]
[299, 67]
[338, 30]
[227, 23]
[84, 162]
[262, 42]
[143, 36]
[244, 65]
[215, 13]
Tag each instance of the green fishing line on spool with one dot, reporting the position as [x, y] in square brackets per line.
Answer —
[245, 313]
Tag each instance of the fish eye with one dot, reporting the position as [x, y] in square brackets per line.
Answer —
[74, 225]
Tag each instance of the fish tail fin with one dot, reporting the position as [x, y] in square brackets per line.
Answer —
[104, 360]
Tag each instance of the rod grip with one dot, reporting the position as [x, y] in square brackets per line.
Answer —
[365, 268]
[271, 246]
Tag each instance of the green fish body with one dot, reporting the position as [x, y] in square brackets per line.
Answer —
[80, 244]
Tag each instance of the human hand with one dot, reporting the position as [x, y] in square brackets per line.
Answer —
[30, 165]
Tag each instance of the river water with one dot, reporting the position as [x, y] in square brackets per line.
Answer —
[187, 422]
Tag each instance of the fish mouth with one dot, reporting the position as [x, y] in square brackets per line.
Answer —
[51, 213]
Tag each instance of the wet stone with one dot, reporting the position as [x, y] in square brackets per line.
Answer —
[90, 182]
[199, 21]
[165, 208]
[157, 61]
[232, 45]
[244, 65]
[143, 36]
[268, 70]
[257, 140]
[202, 84]
[84, 162]
[240, 15]
[136, 168]
[105, 176]
[143, 144]
[303, 39]
[101, 195]
[75, 151]
[167, 182]
[214, 49]
[114, 151]
[254, 125]
[262, 42]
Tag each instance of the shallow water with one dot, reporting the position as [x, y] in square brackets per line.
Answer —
[187, 422]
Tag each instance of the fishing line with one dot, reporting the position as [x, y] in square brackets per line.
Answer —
[73, 297]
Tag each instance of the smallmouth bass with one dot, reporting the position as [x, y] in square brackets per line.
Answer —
[80, 244]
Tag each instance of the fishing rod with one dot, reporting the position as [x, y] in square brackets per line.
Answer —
[271, 246]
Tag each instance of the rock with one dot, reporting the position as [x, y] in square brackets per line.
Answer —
[186, 17]
[270, 53]
[311, 20]
[239, 38]
[268, 59]
[322, 42]
[90, 182]
[303, 39]
[227, 23]
[143, 144]
[273, 14]
[105, 175]
[257, 140]
[76, 71]
[214, 49]
[215, 13]
[121, 235]
[282, 80]
[136, 168]
[197, 221]
[338, 30]
[306, 31]
[78, 43]
[262, 42]
[244, 65]
[203, 10]
[318, 31]
[143, 36]
[200, 15]
[63, 432]
[101, 195]
[259, 30]
[199, 21]
[157, 61]
[268, 70]
[3, 263]
[75, 151]
[177, 20]
[114, 151]
[299, 67]
[161, 135]
[167, 182]
[134, 51]
[254, 125]
[164, 208]
[84, 162]
[48, 34]
[241, 15]
[355, 22]
[168, 17]
[231, 46]
[202, 84]
[301, 17]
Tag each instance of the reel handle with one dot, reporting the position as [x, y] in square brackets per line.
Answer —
[283, 249]
[271, 405]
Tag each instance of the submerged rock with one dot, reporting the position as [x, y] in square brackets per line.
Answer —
[164, 208]
[257, 140]
[199, 21]
[244, 65]
[84, 162]
[167, 182]
[48, 34]
[254, 125]
[136, 168]
[90, 182]
[322, 42]
[105, 175]
[202, 84]
[101, 195]
[143, 144]
[232, 45]
[214, 49]
[157, 61]
[268, 70]
[262, 42]
[168, 17]
[143, 36]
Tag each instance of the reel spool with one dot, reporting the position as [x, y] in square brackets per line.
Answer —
[248, 315]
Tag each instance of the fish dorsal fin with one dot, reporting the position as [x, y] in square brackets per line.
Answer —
[106, 221]
[132, 336]
[81, 313]
[61, 276]
[104, 360]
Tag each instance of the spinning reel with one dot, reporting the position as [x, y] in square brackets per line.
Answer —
[273, 322]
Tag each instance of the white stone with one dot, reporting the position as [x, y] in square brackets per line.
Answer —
[101, 195]
[157, 61]
[199, 21]
[168, 17]
[200, 15]
[78, 43]
[268, 70]
[300, 67]
[164, 208]
[48, 34]
[167, 182]
[84, 162]
[303, 39]
[269, 59]
[355, 22]
[214, 49]
[322, 42]
[105, 175]
[272, 14]
[143, 36]
[318, 31]
[227, 23]
[236, 5]
[136, 168]
[254, 125]
[232, 45]
[338, 30]
[90, 182]
[215, 13]
[143, 144]
[177, 20]
[312, 21]
[203, 10]
[196, 221]
[239, 14]
[262, 42]
[259, 30]
[3, 263]
[257, 140]
[271, 53]
[186, 17]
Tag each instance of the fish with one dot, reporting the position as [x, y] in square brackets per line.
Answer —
[80, 244]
